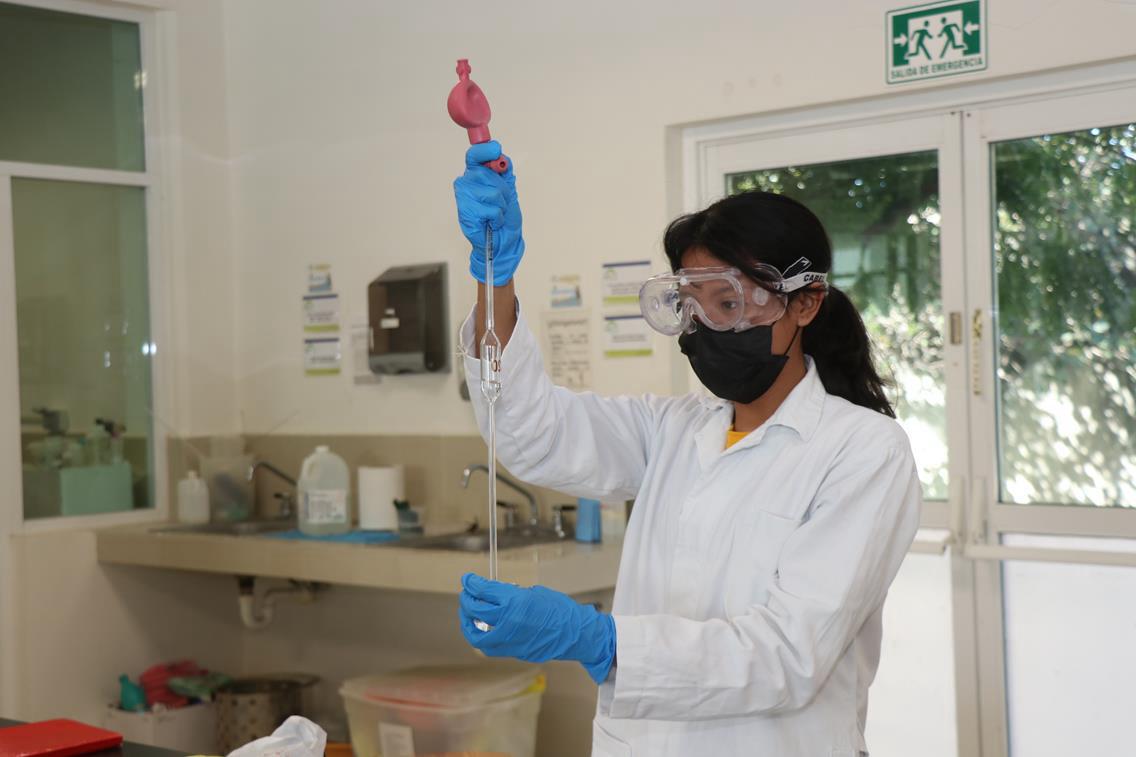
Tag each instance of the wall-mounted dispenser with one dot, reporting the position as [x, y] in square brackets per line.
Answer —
[409, 320]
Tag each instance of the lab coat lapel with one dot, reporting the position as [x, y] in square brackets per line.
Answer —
[800, 411]
[710, 440]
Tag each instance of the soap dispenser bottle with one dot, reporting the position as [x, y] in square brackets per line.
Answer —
[324, 490]
[192, 499]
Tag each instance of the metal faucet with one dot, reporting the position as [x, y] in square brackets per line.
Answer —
[534, 511]
[285, 499]
[54, 422]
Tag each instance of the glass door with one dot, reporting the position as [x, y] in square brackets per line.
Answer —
[1052, 254]
[889, 193]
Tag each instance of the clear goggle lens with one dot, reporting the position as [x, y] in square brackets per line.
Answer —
[722, 299]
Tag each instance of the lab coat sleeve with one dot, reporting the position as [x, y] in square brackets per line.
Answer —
[833, 573]
[578, 443]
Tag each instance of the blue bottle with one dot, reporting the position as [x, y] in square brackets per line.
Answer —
[588, 520]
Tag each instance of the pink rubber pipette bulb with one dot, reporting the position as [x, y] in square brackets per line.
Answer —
[470, 110]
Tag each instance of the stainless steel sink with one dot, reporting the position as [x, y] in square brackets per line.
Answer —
[478, 541]
[239, 528]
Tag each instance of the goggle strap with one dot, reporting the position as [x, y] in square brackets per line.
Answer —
[799, 266]
[793, 283]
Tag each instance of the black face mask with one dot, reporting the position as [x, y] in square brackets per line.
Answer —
[735, 365]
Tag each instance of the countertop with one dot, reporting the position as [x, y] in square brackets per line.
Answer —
[569, 566]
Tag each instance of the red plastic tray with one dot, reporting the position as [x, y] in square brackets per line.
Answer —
[55, 738]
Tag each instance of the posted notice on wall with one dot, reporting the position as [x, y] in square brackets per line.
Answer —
[568, 349]
[321, 312]
[322, 356]
[565, 291]
[627, 336]
[621, 281]
[319, 278]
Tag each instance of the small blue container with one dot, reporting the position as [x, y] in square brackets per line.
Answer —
[588, 520]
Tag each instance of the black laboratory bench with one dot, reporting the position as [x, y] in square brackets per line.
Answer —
[128, 748]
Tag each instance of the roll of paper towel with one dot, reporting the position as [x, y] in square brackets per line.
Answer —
[378, 489]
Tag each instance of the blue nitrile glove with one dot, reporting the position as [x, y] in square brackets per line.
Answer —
[485, 196]
[536, 625]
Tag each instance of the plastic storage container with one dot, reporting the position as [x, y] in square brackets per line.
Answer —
[192, 499]
[324, 488]
[225, 472]
[489, 708]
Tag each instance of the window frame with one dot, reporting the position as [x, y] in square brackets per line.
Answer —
[154, 28]
[1061, 112]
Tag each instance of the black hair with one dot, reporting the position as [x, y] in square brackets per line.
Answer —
[762, 227]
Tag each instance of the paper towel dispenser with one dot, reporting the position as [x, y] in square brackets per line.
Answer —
[409, 320]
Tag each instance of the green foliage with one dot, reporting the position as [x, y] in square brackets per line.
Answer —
[1064, 262]
[1065, 259]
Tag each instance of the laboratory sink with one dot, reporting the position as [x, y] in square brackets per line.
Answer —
[237, 528]
[478, 541]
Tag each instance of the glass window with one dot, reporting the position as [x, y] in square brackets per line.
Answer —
[82, 318]
[1065, 268]
[883, 217]
[912, 701]
[71, 88]
[1069, 652]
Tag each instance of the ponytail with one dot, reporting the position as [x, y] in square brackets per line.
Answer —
[842, 352]
[763, 227]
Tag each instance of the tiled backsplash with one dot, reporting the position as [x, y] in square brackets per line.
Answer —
[433, 466]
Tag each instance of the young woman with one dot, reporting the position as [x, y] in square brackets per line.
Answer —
[768, 523]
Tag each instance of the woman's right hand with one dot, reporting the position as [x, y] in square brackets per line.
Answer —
[485, 197]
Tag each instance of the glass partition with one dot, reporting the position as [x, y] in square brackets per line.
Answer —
[83, 324]
[71, 88]
[1065, 273]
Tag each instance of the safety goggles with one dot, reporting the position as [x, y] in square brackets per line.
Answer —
[721, 298]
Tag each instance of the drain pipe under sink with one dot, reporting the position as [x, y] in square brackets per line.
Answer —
[260, 617]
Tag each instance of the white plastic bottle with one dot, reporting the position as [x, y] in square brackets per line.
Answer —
[192, 499]
[325, 489]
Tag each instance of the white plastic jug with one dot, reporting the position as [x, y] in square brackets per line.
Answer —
[325, 489]
[192, 499]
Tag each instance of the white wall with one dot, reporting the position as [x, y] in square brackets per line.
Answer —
[80, 625]
[344, 153]
[198, 217]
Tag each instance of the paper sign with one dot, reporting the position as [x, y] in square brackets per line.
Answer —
[322, 356]
[567, 340]
[621, 281]
[319, 278]
[565, 292]
[627, 336]
[321, 312]
[396, 740]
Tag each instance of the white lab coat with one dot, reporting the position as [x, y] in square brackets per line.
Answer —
[748, 603]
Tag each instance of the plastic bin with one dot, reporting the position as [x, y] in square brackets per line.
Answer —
[485, 708]
[189, 729]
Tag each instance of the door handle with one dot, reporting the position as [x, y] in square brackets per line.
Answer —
[976, 378]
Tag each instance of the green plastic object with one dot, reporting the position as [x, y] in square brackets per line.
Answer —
[199, 687]
[131, 697]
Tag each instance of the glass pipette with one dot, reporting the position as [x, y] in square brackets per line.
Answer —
[491, 390]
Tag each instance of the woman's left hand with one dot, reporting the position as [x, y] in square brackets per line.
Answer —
[536, 625]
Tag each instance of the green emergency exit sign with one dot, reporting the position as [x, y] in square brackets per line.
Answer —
[936, 39]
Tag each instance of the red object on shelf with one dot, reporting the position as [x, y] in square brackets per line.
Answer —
[55, 738]
[470, 110]
[156, 682]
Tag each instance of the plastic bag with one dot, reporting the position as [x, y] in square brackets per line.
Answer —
[296, 737]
